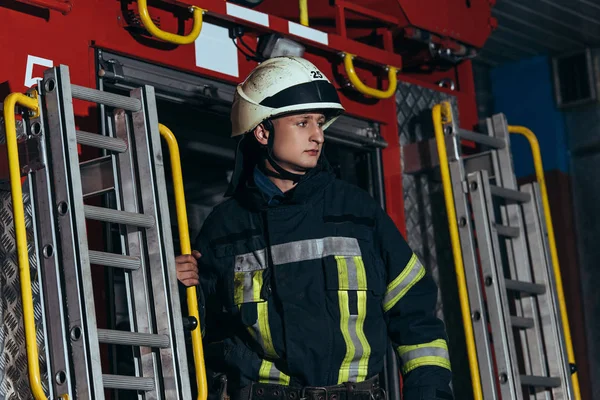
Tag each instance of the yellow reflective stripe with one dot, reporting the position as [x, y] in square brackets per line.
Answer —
[433, 353]
[410, 275]
[257, 282]
[268, 373]
[344, 327]
[264, 330]
[363, 365]
[247, 286]
[351, 274]
[439, 343]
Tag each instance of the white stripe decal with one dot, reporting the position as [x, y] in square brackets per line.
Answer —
[308, 33]
[247, 14]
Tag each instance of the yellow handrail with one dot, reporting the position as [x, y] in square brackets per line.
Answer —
[186, 248]
[21, 237]
[442, 111]
[539, 172]
[364, 89]
[303, 12]
[166, 36]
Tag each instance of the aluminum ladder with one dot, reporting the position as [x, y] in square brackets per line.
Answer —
[64, 201]
[518, 332]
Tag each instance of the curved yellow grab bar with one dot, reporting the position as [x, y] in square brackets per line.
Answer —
[539, 173]
[441, 112]
[21, 237]
[303, 12]
[166, 36]
[364, 89]
[186, 248]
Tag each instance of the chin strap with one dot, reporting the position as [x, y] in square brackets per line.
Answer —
[279, 171]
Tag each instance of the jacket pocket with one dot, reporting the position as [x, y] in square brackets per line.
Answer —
[248, 276]
[247, 286]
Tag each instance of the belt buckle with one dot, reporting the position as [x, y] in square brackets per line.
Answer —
[315, 388]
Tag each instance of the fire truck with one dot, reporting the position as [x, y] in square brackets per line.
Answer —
[115, 147]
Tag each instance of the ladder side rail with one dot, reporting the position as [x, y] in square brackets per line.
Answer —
[168, 316]
[558, 361]
[136, 286]
[68, 200]
[497, 301]
[532, 343]
[59, 370]
[471, 266]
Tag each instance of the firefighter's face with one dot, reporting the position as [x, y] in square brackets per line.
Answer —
[298, 141]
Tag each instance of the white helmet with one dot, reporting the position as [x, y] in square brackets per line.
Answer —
[282, 85]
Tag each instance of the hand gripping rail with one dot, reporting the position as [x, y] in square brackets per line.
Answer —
[186, 248]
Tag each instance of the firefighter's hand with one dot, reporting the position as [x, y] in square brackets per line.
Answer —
[187, 268]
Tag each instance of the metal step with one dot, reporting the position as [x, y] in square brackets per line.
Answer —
[514, 196]
[507, 231]
[482, 139]
[521, 322]
[133, 338]
[540, 381]
[101, 141]
[114, 260]
[108, 99]
[524, 287]
[118, 217]
[127, 382]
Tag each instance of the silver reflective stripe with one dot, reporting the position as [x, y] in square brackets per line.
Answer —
[358, 352]
[247, 287]
[312, 249]
[425, 352]
[252, 261]
[352, 275]
[269, 373]
[302, 250]
[408, 277]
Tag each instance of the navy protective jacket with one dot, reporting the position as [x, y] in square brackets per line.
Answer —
[311, 289]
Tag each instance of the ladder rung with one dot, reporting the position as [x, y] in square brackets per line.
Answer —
[101, 141]
[482, 139]
[133, 338]
[524, 287]
[508, 231]
[119, 217]
[521, 322]
[109, 99]
[114, 260]
[509, 194]
[127, 382]
[540, 381]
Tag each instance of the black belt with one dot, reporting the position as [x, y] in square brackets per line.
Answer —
[367, 390]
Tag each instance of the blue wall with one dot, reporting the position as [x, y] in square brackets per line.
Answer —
[523, 91]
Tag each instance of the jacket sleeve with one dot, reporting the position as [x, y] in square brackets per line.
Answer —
[417, 335]
[208, 301]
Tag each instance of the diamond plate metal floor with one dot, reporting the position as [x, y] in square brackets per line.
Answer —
[14, 381]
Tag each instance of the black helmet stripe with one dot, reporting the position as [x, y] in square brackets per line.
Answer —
[304, 93]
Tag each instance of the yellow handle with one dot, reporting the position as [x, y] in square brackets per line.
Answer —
[303, 12]
[166, 36]
[539, 172]
[186, 248]
[21, 237]
[364, 89]
[442, 111]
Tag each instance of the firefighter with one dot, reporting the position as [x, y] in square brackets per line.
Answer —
[305, 277]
